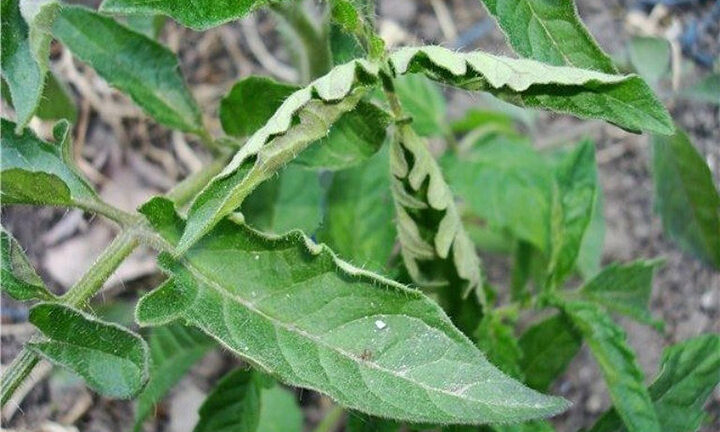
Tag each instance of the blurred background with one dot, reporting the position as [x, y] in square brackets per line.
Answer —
[674, 44]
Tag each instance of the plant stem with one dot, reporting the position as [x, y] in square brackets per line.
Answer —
[93, 279]
[331, 420]
[15, 373]
[88, 285]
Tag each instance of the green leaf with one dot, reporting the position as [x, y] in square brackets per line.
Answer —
[624, 289]
[547, 348]
[56, 103]
[497, 340]
[689, 372]
[572, 208]
[19, 279]
[111, 359]
[624, 378]
[174, 349]
[131, 62]
[36, 172]
[706, 90]
[535, 426]
[358, 223]
[355, 137]
[357, 422]
[487, 121]
[303, 118]
[650, 56]
[24, 53]
[198, 14]
[435, 247]
[149, 25]
[251, 103]
[686, 198]
[274, 400]
[550, 32]
[424, 101]
[291, 200]
[622, 100]
[314, 321]
[498, 180]
[591, 249]
[233, 405]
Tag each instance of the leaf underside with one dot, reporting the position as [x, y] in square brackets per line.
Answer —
[626, 101]
[364, 354]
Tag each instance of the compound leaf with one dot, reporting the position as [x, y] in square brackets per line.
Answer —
[111, 359]
[686, 198]
[198, 14]
[24, 53]
[233, 405]
[626, 101]
[19, 279]
[37, 172]
[547, 348]
[173, 350]
[364, 354]
[435, 248]
[315, 108]
[624, 378]
[689, 372]
[358, 223]
[550, 32]
[624, 289]
[133, 63]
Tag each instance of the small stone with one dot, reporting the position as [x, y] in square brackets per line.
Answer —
[380, 324]
[594, 404]
[710, 301]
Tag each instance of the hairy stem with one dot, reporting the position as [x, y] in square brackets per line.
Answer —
[88, 285]
[15, 373]
[105, 265]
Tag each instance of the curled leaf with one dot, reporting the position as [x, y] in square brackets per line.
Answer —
[303, 118]
[624, 100]
[435, 247]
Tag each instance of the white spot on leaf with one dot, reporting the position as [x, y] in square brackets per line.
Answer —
[380, 324]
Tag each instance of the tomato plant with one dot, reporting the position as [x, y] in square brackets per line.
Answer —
[367, 288]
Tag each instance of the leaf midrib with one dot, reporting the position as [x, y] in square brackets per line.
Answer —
[209, 281]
